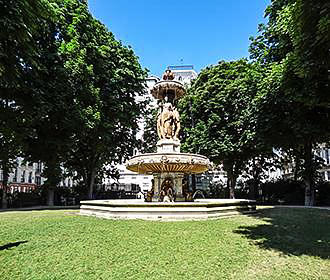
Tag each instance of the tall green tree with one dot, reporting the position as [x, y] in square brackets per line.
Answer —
[293, 101]
[217, 116]
[106, 79]
[48, 105]
[72, 86]
[19, 23]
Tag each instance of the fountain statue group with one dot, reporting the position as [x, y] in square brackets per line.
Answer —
[168, 166]
[168, 121]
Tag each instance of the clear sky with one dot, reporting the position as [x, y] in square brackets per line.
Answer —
[182, 32]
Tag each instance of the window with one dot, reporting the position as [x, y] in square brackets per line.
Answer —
[328, 173]
[38, 180]
[15, 176]
[30, 178]
[23, 177]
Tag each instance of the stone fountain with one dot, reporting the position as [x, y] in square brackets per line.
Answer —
[169, 198]
[168, 165]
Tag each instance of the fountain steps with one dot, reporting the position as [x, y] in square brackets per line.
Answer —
[197, 210]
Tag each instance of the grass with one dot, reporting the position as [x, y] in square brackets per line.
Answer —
[278, 243]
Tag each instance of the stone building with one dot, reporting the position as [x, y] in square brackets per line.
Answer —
[27, 176]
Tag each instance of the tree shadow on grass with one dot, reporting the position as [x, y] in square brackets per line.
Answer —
[291, 231]
[11, 245]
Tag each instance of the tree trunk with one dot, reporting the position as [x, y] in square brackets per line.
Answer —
[5, 174]
[52, 172]
[253, 186]
[91, 184]
[4, 197]
[296, 168]
[253, 190]
[231, 182]
[308, 174]
[50, 196]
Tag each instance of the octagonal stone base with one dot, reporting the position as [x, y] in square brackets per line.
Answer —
[136, 209]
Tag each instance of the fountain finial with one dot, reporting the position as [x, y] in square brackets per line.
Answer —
[168, 75]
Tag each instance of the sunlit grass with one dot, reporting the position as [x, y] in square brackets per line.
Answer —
[275, 244]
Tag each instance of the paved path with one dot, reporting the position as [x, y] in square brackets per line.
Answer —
[294, 206]
[41, 208]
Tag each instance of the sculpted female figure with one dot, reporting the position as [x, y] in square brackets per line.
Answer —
[167, 120]
[168, 123]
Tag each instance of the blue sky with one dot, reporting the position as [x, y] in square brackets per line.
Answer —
[195, 32]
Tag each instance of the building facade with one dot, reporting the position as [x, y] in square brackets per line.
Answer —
[27, 176]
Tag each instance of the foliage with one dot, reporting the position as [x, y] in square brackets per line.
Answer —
[217, 190]
[63, 245]
[293, 101]
[71, 87]
[18, 51]
[218, 116]
[48, 110]
[106, 80]
[323, 194]
[282, 191]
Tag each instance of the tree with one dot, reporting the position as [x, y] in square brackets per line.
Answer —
[106, 80]
[72, 86]
[19, 23]
[293, 103]
[47, 106]
[220, 104]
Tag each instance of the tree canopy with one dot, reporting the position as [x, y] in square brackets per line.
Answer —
[217, 116]
[71, 85]
[293, 98]
[106, 80]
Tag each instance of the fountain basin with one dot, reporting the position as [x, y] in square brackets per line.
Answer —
[168, 162]
[200, 209]
[159, 89]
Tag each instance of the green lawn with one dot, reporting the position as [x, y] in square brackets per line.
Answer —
[277, 243]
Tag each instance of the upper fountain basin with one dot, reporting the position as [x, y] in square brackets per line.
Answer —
[168, 162]
[160, 89]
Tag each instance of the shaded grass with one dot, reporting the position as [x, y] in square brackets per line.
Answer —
[275, 244]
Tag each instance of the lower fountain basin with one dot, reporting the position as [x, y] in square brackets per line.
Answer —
[168, 162]
[200, 209]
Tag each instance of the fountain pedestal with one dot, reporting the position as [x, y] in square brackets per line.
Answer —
[176, 179]
[168, 146]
